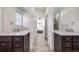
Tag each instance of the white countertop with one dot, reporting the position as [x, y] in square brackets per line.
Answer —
[21, 33]
[63, 33]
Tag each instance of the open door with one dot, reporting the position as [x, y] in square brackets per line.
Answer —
[41, 25]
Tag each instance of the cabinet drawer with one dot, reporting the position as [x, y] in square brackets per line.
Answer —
[76, 38]
[67, 44]
[75, 50]
[66, 38]
[5, 44]
[67, 49]
[6, 49]
[18, 44]
[18, 38]
[5, 38]
[18, 49]
[76, 45]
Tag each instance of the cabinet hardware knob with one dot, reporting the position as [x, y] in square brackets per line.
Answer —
[17, 45]
[17, 39]
[67, 39]
[3, 44]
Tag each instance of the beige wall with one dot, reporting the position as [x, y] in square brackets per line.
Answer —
[9, 19]
[0, 19]
[67, 16]
[7, 16]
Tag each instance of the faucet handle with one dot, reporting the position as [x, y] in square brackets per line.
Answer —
[71, 30]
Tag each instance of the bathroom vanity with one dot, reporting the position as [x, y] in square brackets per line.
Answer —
[14, 41]
[66, 41]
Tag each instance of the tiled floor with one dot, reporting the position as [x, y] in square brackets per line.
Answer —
[40, 44]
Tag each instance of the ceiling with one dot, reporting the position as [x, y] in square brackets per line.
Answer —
[43, 9]
[39, 10]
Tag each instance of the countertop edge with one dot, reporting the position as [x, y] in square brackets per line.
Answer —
[21, 33]
[62, 33]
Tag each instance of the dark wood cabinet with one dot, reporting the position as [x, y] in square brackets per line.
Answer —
[18, 38]
[66, 43]
[57, 42]
[67, 49]
[18, 50]
[26, 43]
[5, 44]
[18, 42]
[14, 43]
[75, 43]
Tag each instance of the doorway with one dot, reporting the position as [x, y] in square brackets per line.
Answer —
[41, 26]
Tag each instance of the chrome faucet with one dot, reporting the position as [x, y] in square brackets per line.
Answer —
[16, 30]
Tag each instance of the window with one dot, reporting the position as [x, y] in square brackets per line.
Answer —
[18, 19]
[40, 24]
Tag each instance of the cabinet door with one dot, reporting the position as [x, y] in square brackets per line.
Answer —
[67, 41]
[75, 39]
[67, 44]
[26, 43]
[67, 49]
[67, 38]
[5, 44]
[76, 44]
[18, 49]
[18, 43]
[57, 43]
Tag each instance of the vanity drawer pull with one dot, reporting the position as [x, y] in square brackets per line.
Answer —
[67, 44]
[3, 44]
[17, 39]
[67, 39]
[17, 45]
